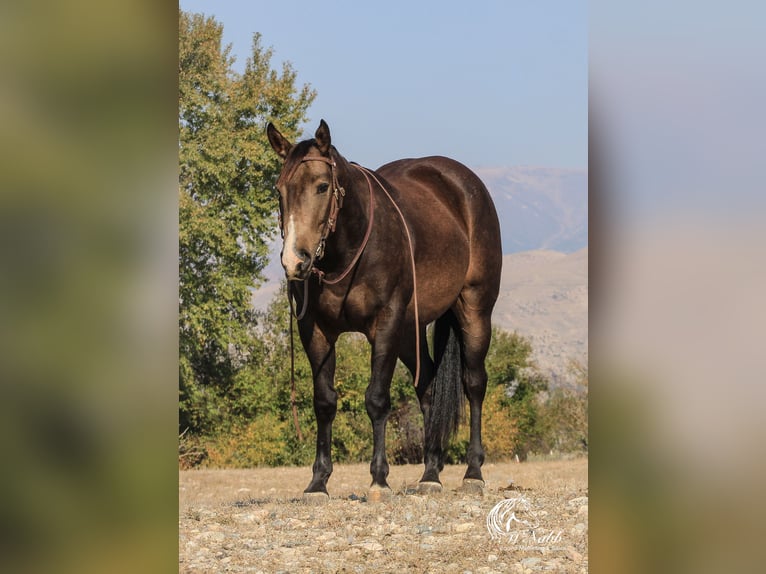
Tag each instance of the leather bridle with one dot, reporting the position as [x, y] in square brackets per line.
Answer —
[336, 201]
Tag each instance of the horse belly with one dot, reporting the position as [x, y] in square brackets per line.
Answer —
[440, 274]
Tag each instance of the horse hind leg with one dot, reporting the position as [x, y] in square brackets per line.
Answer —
[476, 330]
[432, 456]
[441, 401]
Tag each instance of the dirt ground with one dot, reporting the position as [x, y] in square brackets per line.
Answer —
[256, 521]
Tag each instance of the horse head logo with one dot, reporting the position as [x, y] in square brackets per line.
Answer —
[511, 515]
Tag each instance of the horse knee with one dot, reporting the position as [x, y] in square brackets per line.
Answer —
[325, 404]
[377, 403]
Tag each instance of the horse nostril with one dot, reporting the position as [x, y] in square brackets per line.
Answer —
[305, 258]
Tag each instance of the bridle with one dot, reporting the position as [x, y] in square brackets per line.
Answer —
[336, 204]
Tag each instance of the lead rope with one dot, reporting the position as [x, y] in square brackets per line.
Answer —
[292, 368]
[412, 260]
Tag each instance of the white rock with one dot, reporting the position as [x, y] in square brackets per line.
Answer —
[370, 546]
[578, 501]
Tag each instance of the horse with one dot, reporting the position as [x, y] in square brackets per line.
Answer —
[385, 253]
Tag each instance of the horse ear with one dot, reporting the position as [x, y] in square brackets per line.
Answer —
[322, 137]
[278, 142]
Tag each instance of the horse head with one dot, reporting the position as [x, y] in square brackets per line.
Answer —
[309, 198]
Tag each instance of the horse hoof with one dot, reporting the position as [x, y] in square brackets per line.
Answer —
[315, 497]
[428, 487]
[379, 493]
[473, 486]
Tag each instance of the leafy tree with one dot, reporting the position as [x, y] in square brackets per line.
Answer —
[566, 413]
[508, 358]
[226, 206]
[514, 393]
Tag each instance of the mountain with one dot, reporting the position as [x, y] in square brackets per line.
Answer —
[539, 207]
[544, 296]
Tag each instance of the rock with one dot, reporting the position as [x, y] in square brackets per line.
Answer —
[379, 494]
[213, 536]
[427, 488]
[370, 546]
[531, 561]
[464, 527]
[316, 497]
[579, 529]
[573, 554]
[580, 500]
[472, 486]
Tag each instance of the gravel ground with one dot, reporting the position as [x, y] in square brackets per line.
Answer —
[255, 521]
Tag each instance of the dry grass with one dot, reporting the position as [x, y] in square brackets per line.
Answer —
[254, 521]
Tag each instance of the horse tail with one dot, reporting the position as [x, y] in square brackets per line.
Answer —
[447, 397]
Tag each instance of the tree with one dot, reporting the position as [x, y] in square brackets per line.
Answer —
[566, 411]
[514, 388]
[226, 205]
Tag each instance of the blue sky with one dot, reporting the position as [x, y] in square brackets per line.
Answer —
[677, 94]
[490, 83]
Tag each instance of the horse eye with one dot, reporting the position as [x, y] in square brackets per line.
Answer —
[323, 187]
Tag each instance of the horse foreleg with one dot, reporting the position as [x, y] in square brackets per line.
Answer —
[378, 402]
[321, 355]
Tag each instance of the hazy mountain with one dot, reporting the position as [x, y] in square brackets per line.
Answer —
[540, 208]
[544, 296]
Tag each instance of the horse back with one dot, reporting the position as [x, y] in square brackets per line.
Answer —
[437, 188]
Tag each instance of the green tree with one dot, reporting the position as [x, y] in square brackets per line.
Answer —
[226, 206]
[566, 412]
[514, 391]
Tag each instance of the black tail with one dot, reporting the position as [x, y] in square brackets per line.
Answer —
[447, 398]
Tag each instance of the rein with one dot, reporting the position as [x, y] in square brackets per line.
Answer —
[365, 171]
[335, 206]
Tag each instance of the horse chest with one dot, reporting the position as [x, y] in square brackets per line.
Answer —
[355, 310]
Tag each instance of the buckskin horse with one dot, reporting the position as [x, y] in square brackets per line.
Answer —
[385, 253]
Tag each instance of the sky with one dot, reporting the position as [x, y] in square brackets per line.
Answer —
[489, 83]
[677, 92]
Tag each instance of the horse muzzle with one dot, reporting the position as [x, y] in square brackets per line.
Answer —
[297, 264]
